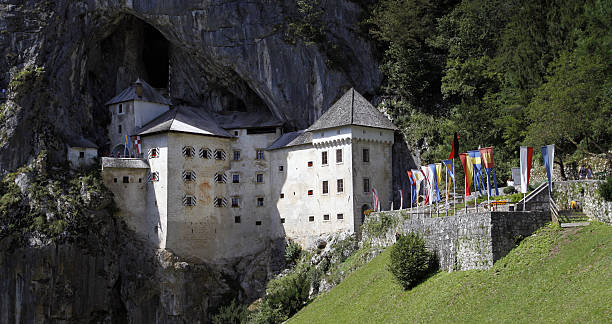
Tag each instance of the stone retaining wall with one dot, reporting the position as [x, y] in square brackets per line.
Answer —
[462, 242]
[585, 193]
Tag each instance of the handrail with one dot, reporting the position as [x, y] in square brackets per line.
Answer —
[554, 211]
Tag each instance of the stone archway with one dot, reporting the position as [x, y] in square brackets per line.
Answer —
[118, 150]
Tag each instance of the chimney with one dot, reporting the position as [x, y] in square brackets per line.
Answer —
[138, 88]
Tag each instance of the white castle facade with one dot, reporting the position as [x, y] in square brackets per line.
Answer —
[216, 186]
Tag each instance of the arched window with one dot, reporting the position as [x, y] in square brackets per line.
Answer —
[189, 175]
[220, 202]
[188, 151]
[189, 200]
[220, 154]
[205, 153]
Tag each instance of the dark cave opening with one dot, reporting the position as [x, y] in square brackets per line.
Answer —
[155, 57]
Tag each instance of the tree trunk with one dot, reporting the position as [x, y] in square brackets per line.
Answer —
[561, 168]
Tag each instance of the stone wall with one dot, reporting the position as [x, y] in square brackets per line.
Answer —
[462, 242]
[585, 193]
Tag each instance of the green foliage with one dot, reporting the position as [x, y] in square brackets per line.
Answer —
[293, 251]
[26, 78]
[510, 190]
[409, 261]
[380, 226]
[605, 189]
[233, 313]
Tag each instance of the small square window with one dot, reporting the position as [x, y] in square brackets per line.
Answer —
[219, 155]
[282, 195]
[189, 175]
[340, 216]
[259, 178]
[126, 179]
[311, 218]
[282, 221]
[235, 178]
[257, 223]
[281, 168]
[120, 109]
[326, 217]
[259, 155]
[339, 156]
[260, 202]
[81, 155]
[154, 153]
[325, 187]
[115, 180]
[188, 151]
[310, 164]
[205, 153]
[237, 219]
[366, 155]
[189, 200]
[139, 180]
[310, 192]
[220, 177]
[236, 155]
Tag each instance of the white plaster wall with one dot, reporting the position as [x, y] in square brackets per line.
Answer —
[126, 120]
[145, 112]
[156, 212]
[90, 156]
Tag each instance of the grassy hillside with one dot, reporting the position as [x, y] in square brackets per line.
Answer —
[553, 276]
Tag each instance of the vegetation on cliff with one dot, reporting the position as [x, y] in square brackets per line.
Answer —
[554, 275]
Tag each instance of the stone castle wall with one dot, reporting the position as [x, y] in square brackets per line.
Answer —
[585, 193]
[462, 242]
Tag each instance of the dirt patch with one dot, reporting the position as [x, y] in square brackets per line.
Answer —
[565, 238]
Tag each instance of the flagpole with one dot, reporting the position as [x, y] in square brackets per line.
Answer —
[454, 189]
[488, 192]
[475, 192]
[446, 183]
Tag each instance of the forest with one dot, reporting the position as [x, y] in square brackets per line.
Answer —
[501, 73]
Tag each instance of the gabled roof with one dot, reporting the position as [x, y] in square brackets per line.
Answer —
[352, 109]
[184, 119]
[292, 139]
[80, 142]
[148, 94]
[239, 119]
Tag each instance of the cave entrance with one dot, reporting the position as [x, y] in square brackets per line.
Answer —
[155, 57]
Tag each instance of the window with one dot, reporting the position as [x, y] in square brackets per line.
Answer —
[257, 223]
[139, 180]
[155, 176]
[235, 202]
[310, 164]
[339, 156]
[324, 157]
[282, 195]
[310, 192]
[237, 219]
[153, 153]
[126, 179]
[366, 185]
[366, 155]
[326, 217]
[189, 175]
[235, 178]
[220, 202]
[236, 155]
[119, 129]
[205, 153]
[281, 168]
[236, 133]
[220, 155]
[340, 216]
[81, 155]
[311, 218]
[115, 180]
[260, 202]
[325, 187]
[220, 177]
[259, 177]
[188, 151]
[189, 200]
[259, 155]
[340, 185]
[282, 221]
[120, 109]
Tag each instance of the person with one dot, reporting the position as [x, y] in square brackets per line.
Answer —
[589, 172]
[581, 172]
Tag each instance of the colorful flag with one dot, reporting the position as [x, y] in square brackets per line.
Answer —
[425, 172]
[137, 145]
[450, 168]
[412, 186]
[418, 178]
[376, 201]
[548, 153]
[525, 157]
[127, 152]
[487, 160]
[468, 169]
[454, 153]
[477, 163]
[434, 180]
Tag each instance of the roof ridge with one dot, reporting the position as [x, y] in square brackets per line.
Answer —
[352, 105]
[174, 117]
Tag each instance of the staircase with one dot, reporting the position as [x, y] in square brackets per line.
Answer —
[568, 217]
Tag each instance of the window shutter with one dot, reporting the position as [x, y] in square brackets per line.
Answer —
[224, 178]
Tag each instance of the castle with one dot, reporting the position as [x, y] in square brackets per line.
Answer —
[216, 186]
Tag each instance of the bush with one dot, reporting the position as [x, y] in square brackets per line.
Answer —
[293, 251]
[410, 262]
[605, 189]
[233, 313]
[510, 190]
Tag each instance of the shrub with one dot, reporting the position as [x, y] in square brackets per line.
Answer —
[233, 313]
[605, 189]
[510, 190]
[410, 262]
[293, 251]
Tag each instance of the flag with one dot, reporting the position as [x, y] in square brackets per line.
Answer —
[425, 172]
[127, 152]
[439, 173]
[412, 186]
[401, 192]
[418, 178]
[468, 169]
[433, 175]
[477, 163]
[137, 145]
[454, 153]
[450, 168]
[487, 160]
[526, 155]
[376, 201]
[548, 153]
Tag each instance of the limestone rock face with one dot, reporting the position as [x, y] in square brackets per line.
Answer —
[217, 54]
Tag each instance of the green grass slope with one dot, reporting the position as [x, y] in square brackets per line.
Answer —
[553, 276]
